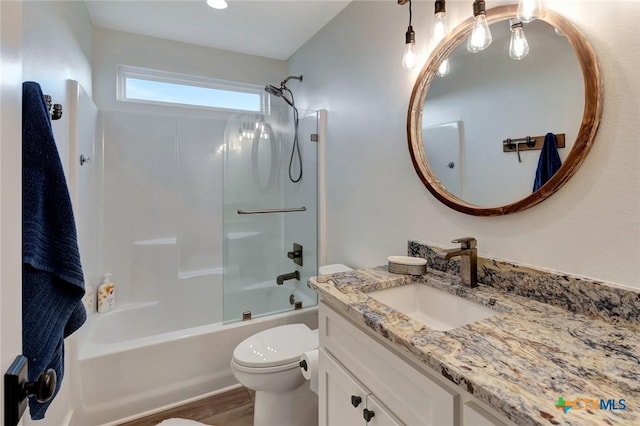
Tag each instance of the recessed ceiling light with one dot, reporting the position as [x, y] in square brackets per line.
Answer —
[217, 4]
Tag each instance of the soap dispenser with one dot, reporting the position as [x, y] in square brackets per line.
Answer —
[89, 299]
[106, 294]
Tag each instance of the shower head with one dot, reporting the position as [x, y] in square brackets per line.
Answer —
[273, 90]
[279, 92]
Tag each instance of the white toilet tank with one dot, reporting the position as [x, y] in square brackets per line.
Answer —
[333, 269]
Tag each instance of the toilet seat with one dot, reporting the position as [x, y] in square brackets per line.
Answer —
[275, 349]
[265, 370]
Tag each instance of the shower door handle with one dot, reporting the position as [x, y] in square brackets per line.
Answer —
[296, 254]
[295, 209]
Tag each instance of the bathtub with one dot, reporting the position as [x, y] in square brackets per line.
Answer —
[143, 358]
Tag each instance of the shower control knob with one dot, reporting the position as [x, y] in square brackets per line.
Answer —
[355, 400]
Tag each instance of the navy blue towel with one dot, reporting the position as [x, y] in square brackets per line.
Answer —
[52, 280]
[549, 161]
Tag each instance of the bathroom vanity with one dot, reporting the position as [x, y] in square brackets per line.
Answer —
[362, 381]
[384, 366]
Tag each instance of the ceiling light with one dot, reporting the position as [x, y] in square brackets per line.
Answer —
[217, 4]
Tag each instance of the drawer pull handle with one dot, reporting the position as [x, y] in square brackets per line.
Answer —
[355, 400]
[368, 415]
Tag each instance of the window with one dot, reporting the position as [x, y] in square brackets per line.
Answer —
[159, 87]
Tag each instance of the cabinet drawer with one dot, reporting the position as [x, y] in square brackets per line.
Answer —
[407, 392]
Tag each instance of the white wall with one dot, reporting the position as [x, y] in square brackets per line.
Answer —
[375, 201]
[112, 48]
[56, 47]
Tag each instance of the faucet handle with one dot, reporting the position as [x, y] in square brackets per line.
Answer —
[466, 242]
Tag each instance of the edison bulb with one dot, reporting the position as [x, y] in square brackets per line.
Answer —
[528, 10]
[444, 68]
[439, 27]
[518, 46]
[480, 37]
[409, 58]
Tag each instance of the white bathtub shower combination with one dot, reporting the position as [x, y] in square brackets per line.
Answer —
[120, 378]
[185, 264]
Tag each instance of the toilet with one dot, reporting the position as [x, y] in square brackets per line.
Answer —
[269, 363]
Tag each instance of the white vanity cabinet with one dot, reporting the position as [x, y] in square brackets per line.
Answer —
[347, 401]
[360, 378]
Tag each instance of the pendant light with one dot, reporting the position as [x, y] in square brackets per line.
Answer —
[518, 46]
[480, 37]
[528, 10]
[440, 30]
[409, 59]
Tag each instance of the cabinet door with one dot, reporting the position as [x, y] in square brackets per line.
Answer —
[474, 415]
[381, 414]
[341, 397]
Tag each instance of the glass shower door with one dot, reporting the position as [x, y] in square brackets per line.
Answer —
[265, 213]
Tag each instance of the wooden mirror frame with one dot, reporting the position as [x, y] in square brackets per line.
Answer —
[593, 88]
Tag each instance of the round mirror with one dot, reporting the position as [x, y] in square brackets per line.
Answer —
[476, 133]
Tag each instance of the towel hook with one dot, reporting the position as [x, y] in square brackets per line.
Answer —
[84, 159]
[531, 142]
[57, 108]
[57, 112]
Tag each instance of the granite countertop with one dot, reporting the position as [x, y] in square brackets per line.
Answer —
[519, 361]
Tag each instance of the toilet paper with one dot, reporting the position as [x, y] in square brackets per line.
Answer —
[310, 360]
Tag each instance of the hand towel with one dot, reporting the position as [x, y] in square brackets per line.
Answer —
[549, 161]
[52, 279]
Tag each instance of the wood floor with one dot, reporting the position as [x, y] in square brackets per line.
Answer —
[233, 408]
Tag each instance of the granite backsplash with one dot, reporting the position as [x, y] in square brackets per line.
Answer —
[575, 294]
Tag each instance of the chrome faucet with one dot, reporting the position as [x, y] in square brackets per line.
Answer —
[468, 259]
[284, 277]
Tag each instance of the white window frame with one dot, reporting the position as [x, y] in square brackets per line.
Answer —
[129, 71]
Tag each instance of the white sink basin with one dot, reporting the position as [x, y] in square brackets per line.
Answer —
[434, 308]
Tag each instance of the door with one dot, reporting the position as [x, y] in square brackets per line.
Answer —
[442, 145]
[342, 398]
[10, 184]
[265, 213]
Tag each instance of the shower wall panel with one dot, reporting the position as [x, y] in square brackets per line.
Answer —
[162, 211]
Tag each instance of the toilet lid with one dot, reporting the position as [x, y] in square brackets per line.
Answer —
[275, 346]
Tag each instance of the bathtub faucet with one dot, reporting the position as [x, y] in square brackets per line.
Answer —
[284, 277]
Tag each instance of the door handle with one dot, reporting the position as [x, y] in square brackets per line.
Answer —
[368, 415]
[17, 388]
[355, 400]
